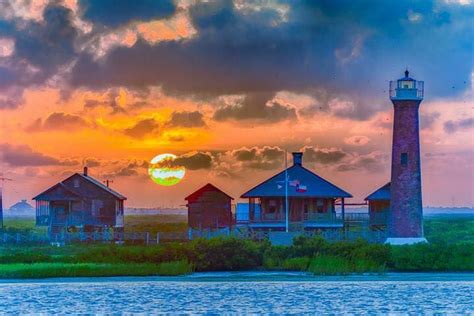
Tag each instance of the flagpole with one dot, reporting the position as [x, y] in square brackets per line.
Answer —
[286, 191]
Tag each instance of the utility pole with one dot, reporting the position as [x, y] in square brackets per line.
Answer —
[286, 193]
[2, 180]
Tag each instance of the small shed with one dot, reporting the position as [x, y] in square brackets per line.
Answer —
[209, 208]
[80, 202]
[379, 205]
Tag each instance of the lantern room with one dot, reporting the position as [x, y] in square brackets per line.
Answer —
[406, 88]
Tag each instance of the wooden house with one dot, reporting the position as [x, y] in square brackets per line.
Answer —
[209, 208]
[311, 200]
[379, 206]
[80, 203]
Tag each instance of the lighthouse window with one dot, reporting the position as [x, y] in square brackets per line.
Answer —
[406, 84]
[404, 159]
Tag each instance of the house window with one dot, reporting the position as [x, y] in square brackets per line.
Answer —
[320, 206]
[76, 183]
[272, 206]
[96, 208]
[404, 159]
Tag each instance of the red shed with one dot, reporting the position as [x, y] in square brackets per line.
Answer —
[209, 207]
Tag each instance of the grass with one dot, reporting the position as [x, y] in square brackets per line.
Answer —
[59, 269]
[156, 223]
[451, 248]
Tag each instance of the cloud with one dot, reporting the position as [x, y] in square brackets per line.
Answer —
[357, 140]
[323, 155]
[458, 125]
[256, 107]
[428, 119]
[372, 162]
[264, 158]
[112, 14]
[143, 128]
[238, 51]
[186, 119]
[59, 121]
[92, 162]
[24, 156]
[194, 161]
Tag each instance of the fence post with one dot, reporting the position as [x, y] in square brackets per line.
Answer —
[157, 238]
[147, 238]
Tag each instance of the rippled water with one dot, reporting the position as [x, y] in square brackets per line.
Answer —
[243, 293]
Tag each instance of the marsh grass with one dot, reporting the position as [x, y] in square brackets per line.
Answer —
[59, 269]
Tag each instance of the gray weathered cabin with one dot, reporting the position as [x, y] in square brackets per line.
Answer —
[80, 203]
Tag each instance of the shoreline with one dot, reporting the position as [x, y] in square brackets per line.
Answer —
[261, 276]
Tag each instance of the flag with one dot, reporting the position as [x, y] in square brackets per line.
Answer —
[301, 188]
[294, 183]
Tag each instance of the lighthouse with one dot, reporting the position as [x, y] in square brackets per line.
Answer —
[405, 221]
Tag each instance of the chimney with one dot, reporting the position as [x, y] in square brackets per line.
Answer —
[297, 158]
[85, 171]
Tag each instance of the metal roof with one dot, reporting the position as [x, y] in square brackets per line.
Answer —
[381, 194]
[315, 185]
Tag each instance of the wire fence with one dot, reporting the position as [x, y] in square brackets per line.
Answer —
[145, 238]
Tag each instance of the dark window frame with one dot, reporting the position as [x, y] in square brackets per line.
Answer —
[404, 159]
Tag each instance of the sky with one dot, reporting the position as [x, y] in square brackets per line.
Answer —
[228, 86]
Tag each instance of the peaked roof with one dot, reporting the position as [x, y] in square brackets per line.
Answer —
[315, 185]
[71, 192]
[101, 185]
[207, 187]
[381, 194]
[66, 193]
[22, 205]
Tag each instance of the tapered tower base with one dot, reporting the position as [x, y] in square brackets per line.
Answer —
[405, 241]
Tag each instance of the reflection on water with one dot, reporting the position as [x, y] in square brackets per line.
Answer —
[243, 293]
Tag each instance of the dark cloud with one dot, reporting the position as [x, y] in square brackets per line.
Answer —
[41, 50]
[335, 47]
[256, 107]
[59, 121]
[187, 119]
[194, 161]
[458, 125]
[110, 102]
[23, 156]
[143, 128]
[114, 13]
[323, 155]
[264, 158]
[129, 169]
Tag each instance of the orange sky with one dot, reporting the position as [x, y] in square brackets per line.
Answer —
[56, 129]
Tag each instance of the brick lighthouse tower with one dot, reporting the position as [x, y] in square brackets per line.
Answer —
[405, 223]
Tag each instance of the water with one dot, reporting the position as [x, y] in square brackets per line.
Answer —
[244, 293]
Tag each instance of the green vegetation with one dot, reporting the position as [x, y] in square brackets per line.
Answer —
[451, 248]
[449, 230]
[156, 223]
[51, 270]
